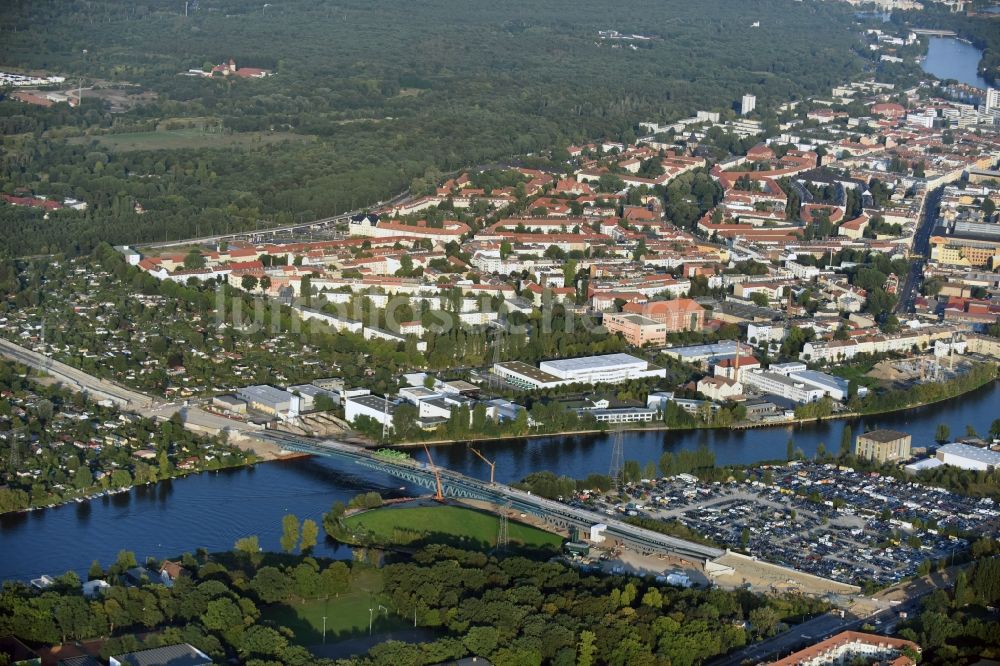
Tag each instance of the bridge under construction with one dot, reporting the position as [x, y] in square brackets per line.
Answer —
[449, 483]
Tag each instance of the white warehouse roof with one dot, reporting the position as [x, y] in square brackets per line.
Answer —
[972, 453]
[587, 363]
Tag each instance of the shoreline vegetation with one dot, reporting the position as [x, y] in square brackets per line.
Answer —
[660, 426]
[110, 492]
[66, 448]
[444, 442]
[99, 492]
[255, 607]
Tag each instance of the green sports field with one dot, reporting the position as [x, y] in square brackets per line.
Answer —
[346, 616]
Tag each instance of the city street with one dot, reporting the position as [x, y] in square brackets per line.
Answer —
[921, 252]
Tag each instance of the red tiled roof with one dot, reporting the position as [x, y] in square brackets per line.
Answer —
[32, 202]
[676, 306]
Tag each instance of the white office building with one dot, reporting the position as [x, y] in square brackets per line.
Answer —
[430, 404]
[622, 415]
[748, 104]
[799, 383]
[835, 387]
[787, 369]
[782, 386]
[371, 406]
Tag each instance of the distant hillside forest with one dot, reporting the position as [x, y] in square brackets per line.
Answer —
[386, 92]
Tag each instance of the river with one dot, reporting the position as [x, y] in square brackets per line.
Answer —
[212, 510]
[951, 58]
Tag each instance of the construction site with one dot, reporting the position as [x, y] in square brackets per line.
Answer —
[906, 373]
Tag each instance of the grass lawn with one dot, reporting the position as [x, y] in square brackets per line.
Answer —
[346, 617]
[447, 523]
[856, 372]
[188, 138]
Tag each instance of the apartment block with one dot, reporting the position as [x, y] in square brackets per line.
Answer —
[636, 329]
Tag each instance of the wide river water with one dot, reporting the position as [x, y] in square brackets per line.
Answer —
[950, 58]
[212, 510]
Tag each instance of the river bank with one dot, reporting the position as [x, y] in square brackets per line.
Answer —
[956, 58]
[269, 452]
[96, 493]
[214, 510]
[660, 427]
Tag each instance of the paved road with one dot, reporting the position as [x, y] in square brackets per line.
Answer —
[808, 632]
[304, 227]
[270, 231]
[921, 252]
[301, 227]
[125, 398]
[76, 379]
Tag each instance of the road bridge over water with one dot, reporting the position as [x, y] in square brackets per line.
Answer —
[934, 33]
[461, 486]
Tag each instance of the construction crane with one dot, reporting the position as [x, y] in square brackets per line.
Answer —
[440, 490]
[491, 463]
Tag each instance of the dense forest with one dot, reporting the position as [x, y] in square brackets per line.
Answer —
[240, 607]
[366, 98]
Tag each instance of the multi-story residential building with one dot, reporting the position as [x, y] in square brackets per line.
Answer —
[992, 99]
[636, 329]
[849, 646]
[682, 314]
[375, 227]
[904, 341]
[966, 249]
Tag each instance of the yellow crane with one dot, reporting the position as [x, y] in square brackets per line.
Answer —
[440, 490]
[491, 463]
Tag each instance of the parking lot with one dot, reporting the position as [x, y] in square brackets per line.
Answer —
[832, 522]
